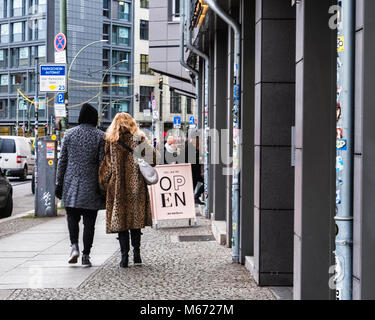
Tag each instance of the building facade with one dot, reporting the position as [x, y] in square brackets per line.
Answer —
[25, 28]
[149, 83]
[178, 96]
[28, 28]
[285, 227]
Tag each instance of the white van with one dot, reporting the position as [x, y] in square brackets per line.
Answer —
[17, 156]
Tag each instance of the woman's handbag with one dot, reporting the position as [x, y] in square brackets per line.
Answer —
[148, 172]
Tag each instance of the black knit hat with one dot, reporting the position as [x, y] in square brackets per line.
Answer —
[88, 115]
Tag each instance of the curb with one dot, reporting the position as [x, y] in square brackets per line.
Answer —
[17, 216]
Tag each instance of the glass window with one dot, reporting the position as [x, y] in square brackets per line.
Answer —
[144, 4]
[175, 102]
[7, 146]
[3, 109]
[145, 97]
[3, 58]
[124, 11]
[4, 31]
[143, 29]
[18, 82]
[42, 30]
[118, 56]
[31, 82]
[3, 9]
[120, 35]
[17, 8]
[4, 81]
[105, 31]
[120, 85]
[23, 56]
[144, 65]
[175, 9]
[14, 57]
[119, 107]
[41, 54]
[17, 31]
[42, 6]
[188, 106]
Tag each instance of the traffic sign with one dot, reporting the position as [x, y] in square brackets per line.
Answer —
[177, 122]
[155, 114]
[60, 98]
[192, 120]
[60, 110]
[60, 42]
[52, 78]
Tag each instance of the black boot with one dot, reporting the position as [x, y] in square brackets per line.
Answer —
[86, 260]
[124, 246]
[136, 243]
[124, 260]
[74, 254]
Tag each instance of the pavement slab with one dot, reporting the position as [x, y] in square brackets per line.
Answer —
[171, 270]
[37, 257]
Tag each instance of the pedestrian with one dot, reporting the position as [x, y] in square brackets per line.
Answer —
[192, 156]
[127, 198]
[77, 180]
[170, 151]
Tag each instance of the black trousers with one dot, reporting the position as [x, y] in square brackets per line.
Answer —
[123, 237]
[201, 188]
[89, 219]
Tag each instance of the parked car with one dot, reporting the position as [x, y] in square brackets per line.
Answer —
[17, 156]
[6, 196]
[33, 183]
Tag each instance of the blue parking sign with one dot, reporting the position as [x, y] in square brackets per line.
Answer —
[60, 98]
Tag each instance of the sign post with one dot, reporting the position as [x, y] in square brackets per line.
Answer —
[52, 78]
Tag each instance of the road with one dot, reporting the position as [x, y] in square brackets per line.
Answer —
[23, 199]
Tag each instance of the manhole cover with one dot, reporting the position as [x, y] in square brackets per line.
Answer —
[208, 237]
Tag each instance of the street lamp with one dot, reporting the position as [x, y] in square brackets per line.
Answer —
[74, 59]
[78, 53]
[100, 90]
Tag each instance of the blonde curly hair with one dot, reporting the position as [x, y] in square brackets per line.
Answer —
[122, 122]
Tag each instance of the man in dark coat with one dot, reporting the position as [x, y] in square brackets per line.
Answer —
[192, 156]
[77, 179]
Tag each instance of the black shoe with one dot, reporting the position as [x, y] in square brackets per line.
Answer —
[86, 260]
[124, 260]
[198, 201]
[74, 254]
[137, 257]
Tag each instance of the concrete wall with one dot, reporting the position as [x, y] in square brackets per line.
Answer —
[164, 46]
[315, 151]
[274, 117]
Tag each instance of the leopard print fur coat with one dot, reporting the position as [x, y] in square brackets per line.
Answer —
[127, 198]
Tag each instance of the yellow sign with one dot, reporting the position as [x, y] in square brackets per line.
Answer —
[53, 137]
[340, 44]
[52, 87]
[50, 162]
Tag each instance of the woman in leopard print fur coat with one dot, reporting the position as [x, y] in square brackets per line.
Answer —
[127, 198]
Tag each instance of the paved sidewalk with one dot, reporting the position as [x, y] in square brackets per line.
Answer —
[37, 257]
[171, 269]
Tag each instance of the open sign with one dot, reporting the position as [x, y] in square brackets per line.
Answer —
[173, 196]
